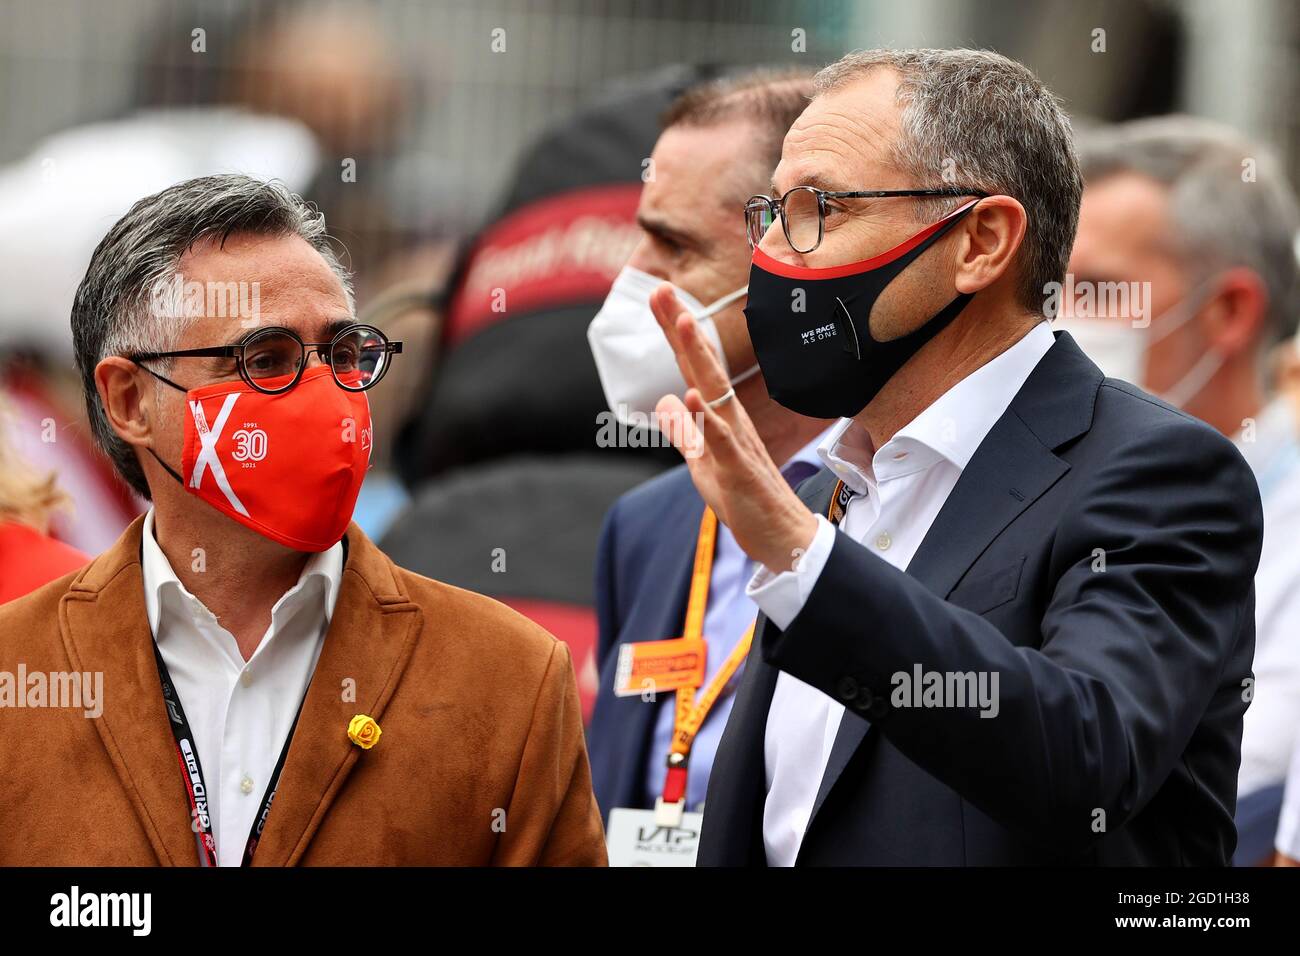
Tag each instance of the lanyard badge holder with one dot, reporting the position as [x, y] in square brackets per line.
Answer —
[679, 664]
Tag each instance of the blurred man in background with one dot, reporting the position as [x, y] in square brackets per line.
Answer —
[1197, 224]
[512, 408]
[719, 145]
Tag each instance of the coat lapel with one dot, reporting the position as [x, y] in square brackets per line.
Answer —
[371, 637]
[737, 783]
[1011, 469]
[105, 629]
[370, 641]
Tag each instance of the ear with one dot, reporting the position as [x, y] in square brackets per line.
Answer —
[990, 234]
[1234, 316]
[128, 404]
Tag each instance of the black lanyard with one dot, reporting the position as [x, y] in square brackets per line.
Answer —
[192, 772]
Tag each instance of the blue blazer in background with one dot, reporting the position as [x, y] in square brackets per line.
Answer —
[643, 579]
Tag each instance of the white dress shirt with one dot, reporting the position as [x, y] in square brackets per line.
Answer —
[727, 618]
[900, 489]
[1272, 723]
[1288, 828]
[239, 711]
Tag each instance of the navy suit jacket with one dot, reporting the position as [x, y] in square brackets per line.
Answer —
[643, 580]
[1098, 554]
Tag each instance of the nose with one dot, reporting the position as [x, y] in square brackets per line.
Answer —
[775, 246]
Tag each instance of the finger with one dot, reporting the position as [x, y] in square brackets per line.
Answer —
[706, 371]
[666, 309]
[721, 437]
[678, 423]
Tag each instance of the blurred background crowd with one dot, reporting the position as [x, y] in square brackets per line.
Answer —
[481, 162]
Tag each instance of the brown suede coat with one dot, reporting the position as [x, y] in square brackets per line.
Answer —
[481, 759]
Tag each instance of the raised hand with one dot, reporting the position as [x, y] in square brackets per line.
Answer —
[727, 460]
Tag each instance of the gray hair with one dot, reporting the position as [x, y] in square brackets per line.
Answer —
[973, 118]
[112, 313]
[1229, 201]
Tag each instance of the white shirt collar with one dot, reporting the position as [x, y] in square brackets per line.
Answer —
[159, 578]
[953, 427]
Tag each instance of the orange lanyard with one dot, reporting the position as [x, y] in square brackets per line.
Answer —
[692, 711]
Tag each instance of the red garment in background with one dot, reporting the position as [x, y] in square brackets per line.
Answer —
[29, 559]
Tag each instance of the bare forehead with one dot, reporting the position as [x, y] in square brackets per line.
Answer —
[247, 281]
[844, 138]
[276, 262]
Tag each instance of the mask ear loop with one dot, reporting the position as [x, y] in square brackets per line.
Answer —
[745, 375]
[1188, 305]
[719, 304]
[713, 309]
[1207, 366]
[171, 471]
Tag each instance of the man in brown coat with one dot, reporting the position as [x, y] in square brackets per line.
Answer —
[244, 677]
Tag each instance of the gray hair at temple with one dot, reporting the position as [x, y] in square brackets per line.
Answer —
[1229, 201]
[113, 311]
[974, 118]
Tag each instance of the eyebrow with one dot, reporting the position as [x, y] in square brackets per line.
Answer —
[335, 326]
[332, 328]
[661, 230]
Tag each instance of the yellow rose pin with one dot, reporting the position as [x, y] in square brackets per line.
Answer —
[363, 731]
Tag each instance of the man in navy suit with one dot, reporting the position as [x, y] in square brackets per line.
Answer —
[1011, 623]
[690, 214]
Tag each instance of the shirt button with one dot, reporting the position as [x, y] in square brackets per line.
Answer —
[900, 456]
[883, 541]
[246, 678]
[246, 785]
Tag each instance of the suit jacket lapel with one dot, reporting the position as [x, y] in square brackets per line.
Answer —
[370, 640]
[105, 629]
[737, 793]
[1011, 469]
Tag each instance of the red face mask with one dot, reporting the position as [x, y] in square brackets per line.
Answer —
[289, 466]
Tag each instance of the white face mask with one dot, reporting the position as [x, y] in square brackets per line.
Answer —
[1120, 350]
[635, 362]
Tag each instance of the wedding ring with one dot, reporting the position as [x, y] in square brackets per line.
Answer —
[722, 399]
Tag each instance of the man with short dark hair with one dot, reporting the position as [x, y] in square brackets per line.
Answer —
[1010, 622]
[720, 143]
[251, 643]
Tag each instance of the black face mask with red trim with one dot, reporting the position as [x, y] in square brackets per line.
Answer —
[811, 328]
